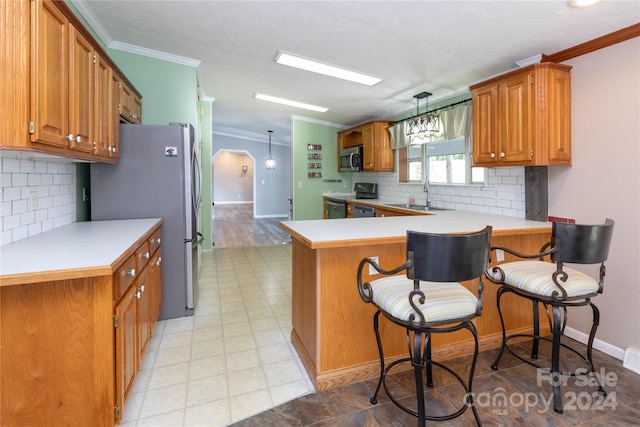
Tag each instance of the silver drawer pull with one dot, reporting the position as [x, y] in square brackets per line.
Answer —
[132, 272]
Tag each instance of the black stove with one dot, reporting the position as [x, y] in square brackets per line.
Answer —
[366, 190]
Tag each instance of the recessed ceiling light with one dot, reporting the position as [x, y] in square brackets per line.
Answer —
[309, 64]
[290, 102]
[582, 3]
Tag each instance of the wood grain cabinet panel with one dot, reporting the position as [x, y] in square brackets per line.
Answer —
[82, 62]
[523, 118]
[377, 155]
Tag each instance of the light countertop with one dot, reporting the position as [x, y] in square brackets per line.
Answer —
[81, 249]
[357, 231]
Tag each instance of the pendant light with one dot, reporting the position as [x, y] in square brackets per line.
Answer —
[270, 164]
[421, 125]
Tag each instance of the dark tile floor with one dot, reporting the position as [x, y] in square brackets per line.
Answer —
[234, 226]
[515, 395]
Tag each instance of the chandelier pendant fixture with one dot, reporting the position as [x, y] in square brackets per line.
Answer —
[270, 163]
[423, 124]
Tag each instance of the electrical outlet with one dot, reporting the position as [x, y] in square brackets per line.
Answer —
[299, 184]
[372, 270]
[499, 255]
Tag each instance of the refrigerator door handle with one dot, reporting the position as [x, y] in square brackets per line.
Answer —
[196, 192]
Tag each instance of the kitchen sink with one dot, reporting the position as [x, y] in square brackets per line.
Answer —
[415, 207]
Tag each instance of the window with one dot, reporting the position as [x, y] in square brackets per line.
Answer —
[446, 162]
[414, 163]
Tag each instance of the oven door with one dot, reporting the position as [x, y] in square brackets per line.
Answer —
[336, 209]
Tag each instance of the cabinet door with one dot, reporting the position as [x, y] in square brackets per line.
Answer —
[50, 75]
[383, 151]
[485, 125]
[126, 352]
[82, 61]
[136, 115]
[155, 283]
[103, 128]
[143, 312]
[126, 101]
[556, 111]
[114, 120]
[368, 148]
[516, 118]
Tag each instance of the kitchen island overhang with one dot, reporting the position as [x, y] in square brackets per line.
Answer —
[332, 329]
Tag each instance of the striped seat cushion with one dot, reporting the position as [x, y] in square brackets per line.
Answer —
[535, 278]
[443, 301]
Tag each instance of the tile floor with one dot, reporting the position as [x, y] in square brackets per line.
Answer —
[234, 357]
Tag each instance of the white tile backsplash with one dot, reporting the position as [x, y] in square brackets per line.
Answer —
[36, 195]
[501, 194]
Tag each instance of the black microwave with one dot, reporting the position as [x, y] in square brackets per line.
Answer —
[351, 159]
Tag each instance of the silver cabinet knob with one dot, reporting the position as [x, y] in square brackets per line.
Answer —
[70, 137]
[146, 255]
[138, 295]
[492, 155]
[132, 272]
[502, 155]
[78, 139]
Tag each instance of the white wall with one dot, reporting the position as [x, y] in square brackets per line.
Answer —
[604, 180]
[230, 183]
[37, 195]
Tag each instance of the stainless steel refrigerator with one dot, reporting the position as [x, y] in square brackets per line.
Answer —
[158, 175]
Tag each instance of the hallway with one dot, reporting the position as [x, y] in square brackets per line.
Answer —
[234, 226]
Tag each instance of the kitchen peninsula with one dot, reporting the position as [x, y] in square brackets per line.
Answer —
[333, 329]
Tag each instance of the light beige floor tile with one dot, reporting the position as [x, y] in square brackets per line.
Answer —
[169, 419]
[210, 414]
[254, 303]
[246, 380]
[207, 334]
[286, 371]
[236, 329]
[148, 359]
[207, 311]
[169, 375]
[154, 343]
[178, 325]
[249, 404]
[267, 338]
[243, 360]
[266, 324]
[173, 355]
[207, 390]
[207, 321]
[239, 343]
[234, 317]
[285, 392]
[132, 407]
[282, 309]
[142, 381]
[204, 349]
[258, 313]
[163, 400]
[207, 367]
[176, 339]
[275, 353]
[231, 307]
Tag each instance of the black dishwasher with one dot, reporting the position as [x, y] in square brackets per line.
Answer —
[360, 211]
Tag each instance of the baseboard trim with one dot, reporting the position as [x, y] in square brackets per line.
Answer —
[598, 344]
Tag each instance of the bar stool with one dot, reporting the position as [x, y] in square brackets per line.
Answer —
[557, 287]
[430, 300]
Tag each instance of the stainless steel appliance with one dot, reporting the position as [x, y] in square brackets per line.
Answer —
[360, 211]
[351, 159]
[158, 175]
[336, 208]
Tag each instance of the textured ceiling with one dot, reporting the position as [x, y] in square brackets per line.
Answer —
[437, 46]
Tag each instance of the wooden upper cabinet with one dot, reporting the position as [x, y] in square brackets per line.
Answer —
[82, 63]
[49, 75]
[130, 104]
[63, 84]
[523, 118]
[103, 102]
[377, 155]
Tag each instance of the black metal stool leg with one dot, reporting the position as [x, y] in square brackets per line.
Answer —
[536, 330]
[469, 396]
[556, 376]
[374, 398]
[501, 291]
[427, 360]
[418, 363]
[592, 334]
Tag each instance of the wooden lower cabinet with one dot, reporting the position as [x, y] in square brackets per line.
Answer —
[71, 348]
[126, 313]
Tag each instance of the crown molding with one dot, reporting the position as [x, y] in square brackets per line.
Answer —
[156, 54]
[318, 122]
[93, 22]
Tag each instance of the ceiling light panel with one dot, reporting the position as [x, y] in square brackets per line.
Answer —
[290, 102]
[312, 65]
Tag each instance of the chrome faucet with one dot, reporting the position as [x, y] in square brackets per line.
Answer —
[427, 192]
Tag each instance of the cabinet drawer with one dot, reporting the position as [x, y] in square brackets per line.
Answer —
[124, 277]
[142, 255]
[154, 240]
